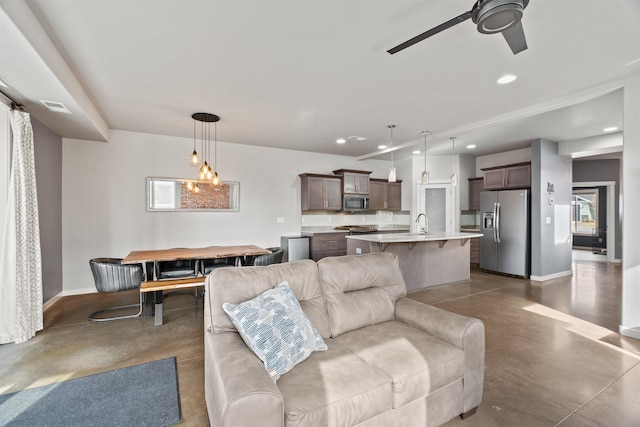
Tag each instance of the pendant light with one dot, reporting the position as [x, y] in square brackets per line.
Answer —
[194, 158]
[205, 120]
[424, 178]
[215, 179]
[454, 178]
[392, 169]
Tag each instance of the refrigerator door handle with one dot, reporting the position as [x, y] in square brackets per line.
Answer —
[496, 228]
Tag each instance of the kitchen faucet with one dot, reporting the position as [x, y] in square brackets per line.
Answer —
[425, 229]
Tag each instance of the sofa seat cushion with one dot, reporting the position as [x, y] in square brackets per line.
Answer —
[417, 363]
[333, 388]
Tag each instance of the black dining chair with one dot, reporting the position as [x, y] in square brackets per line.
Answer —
[166, 270]
[275, 257]
[110, 275]
[208, 265]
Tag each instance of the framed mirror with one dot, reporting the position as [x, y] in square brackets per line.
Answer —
[191, 195]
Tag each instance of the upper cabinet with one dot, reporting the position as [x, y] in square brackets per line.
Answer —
[509, 176]
[385, 196]
[476, 186]
[353, 181]
[321, 192]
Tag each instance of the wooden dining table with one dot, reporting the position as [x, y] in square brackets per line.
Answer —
[156, 255]
[175, 254]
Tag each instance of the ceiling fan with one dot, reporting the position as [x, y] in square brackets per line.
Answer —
[491, 16]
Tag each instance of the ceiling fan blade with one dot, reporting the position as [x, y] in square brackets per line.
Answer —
[435, 30]
[515, 38]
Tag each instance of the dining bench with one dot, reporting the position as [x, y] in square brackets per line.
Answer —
[157, 286]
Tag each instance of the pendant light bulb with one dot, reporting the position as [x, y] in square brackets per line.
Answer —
[392, 170]
[196, 189]
[216, 181]
[194, 159]
[189, 185]
[424, 177]
[203, 170]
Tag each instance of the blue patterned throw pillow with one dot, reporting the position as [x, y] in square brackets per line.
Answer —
[274, 326]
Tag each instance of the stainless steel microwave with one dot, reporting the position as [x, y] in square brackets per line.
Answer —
[355, 202]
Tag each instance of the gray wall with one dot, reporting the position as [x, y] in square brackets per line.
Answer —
[603, 170]
[48, 161]
[550, 242]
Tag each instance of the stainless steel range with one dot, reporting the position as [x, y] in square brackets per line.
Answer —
[358, 229]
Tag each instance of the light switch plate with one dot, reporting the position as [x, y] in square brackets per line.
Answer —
[280, 220]
[547, 220]
[551, 201]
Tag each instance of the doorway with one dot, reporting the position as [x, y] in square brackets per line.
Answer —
[593, 218]
[435, 202]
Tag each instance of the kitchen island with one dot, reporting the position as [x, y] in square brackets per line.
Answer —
[425, 259]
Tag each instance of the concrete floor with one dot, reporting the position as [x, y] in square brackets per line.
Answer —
[553, 356]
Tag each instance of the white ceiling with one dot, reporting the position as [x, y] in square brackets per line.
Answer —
[299, 74]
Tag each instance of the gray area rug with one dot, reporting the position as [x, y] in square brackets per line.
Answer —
[140, 395]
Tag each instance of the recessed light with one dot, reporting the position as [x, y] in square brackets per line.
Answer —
[357, 138]
[341, 141]
[471, 146]
[507, 78]
[381, 147]
[610, 129]
[416, 151]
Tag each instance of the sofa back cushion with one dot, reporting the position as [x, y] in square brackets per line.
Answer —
[360, 290]
[238, 284]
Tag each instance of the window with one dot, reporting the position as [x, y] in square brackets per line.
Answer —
[584, 212]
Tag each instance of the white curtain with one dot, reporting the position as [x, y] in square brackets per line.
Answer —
[20, 259]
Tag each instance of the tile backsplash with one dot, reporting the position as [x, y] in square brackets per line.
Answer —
[380, 218]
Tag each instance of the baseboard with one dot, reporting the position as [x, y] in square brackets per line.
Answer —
[630, 332]
[81, 291]
[54, 299]
[551, 276]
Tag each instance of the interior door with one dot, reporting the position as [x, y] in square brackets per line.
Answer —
[435, 202]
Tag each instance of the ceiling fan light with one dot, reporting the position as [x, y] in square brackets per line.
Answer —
[495, 16]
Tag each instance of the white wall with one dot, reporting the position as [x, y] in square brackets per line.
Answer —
[103, 197]
[630, 324]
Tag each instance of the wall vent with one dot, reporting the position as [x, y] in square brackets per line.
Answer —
[56, 107]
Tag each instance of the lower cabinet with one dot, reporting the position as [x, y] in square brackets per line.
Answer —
[328, 244]
[475, 252]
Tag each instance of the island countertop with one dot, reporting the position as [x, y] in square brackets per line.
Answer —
[412, 237]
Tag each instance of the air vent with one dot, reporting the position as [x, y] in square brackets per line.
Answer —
[56, 107]
[357, 138]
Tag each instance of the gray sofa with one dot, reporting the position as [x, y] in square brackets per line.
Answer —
[391, 361]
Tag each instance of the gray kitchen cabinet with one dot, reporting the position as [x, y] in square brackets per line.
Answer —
[320, 192]
[328, 244]
[353, 181]
[385, 196]
[476, 186]
[509, 176]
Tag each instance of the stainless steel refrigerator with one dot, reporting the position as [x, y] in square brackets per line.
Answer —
[505, 245]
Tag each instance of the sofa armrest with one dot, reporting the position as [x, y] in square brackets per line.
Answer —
[464, 332]
[238, 388]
